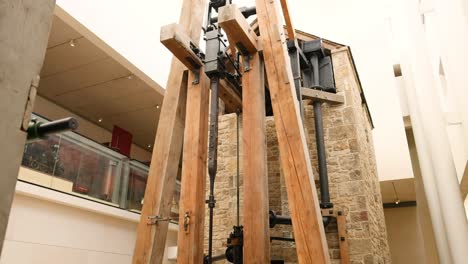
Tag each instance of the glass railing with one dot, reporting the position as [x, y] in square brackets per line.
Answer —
[71, 163]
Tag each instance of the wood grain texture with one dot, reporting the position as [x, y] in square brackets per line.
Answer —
[174, 39]
[287, 18]
[312, 94]
[194, 169]
[308, 228]
[343, 233]
[237, 28]
[151, 239]
[231, 98]
[256, 216]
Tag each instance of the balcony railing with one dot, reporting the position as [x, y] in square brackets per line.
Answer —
[74, 164]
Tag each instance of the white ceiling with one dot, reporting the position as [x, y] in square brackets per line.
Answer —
[85, 80]
[402, 190]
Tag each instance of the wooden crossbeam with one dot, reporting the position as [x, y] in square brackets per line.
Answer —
[312, 94]
[256, 216]
[173, 37]
[308, 228]
[151, 239]
[192, 201]
[238, 29]
[231, 98]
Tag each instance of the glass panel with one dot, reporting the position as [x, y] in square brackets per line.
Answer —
[42, 155]
[75, 164]
[136, 187]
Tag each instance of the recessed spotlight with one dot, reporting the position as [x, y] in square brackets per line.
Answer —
[157, 106]
[100, 120]
[72, 43]
[149, 146]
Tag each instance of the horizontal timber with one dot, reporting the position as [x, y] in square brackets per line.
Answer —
[308, 93]
[238, 29]
[174, 39]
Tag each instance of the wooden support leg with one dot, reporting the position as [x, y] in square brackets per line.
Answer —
[308, 228]
[192, 200]
[160, 187]
[151, 239]
[343, 237]
[256, 217]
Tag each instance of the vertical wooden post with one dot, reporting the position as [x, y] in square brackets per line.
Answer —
[151, 239]
[24, 31]
[192, 201]
[343, 237]
[308, 228]
[256, 216]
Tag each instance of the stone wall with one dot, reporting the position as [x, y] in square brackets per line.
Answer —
[354, 186]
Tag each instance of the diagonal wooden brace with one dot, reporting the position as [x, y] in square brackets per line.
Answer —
[311, 244]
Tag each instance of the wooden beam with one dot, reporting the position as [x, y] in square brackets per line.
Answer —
[343, 238]
[230, 96]
[313, 94]
[256, 216]
[192, 201]
[287, 18]
[151, 239]
[174, 39]
[308, 228]
[237, 28]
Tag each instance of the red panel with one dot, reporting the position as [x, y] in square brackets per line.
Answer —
[121, 140]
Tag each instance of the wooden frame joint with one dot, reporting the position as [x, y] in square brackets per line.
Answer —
[175, 40]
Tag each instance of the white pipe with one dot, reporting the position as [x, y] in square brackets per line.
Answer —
[432, 136]
[453, 31]
[428, 179]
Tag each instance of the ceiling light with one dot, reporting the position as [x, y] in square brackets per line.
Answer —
[100, 120]
[130, 77]
[157, 106]
[397, 201]
[149, 146]
[72, 43]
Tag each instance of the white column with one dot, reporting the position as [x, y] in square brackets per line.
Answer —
[439, 174]
[453, 32]
[24, 30]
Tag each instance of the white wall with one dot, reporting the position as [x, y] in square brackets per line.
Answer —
[404, 236]
[47, 227]
[131, 27]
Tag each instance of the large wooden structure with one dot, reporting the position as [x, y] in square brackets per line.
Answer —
[191, 97]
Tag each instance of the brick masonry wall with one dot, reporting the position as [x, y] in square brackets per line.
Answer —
[354, 185]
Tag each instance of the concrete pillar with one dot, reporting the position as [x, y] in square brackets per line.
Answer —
[24, 31]
[429, 126]
[452, 24]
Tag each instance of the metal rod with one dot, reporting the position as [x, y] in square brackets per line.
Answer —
[42, 130]
[238, 170]
[212, 158]
[282, 239]
[321, 154]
